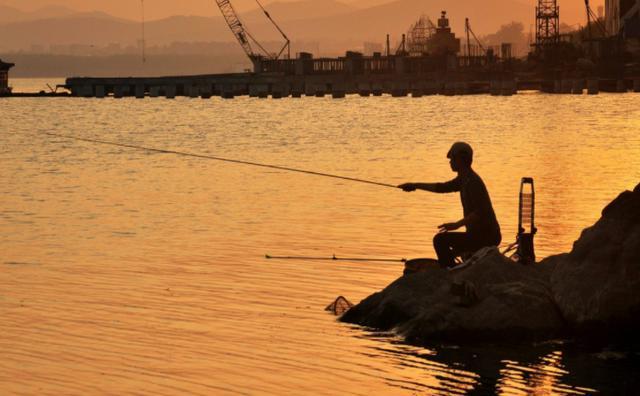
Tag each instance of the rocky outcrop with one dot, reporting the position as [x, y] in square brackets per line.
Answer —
[492, 299]
[596, 284]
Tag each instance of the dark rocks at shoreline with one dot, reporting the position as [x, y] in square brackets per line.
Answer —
[594, 288]
[597, 286]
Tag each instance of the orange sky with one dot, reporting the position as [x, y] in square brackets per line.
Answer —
[163, 8]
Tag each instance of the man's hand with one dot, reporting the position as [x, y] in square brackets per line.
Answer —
[449, 226]
[408, 187]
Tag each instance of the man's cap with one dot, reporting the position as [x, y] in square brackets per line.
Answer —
[460, 148]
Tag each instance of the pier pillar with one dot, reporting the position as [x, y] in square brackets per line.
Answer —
[139, 91]
[449, 88]
[431, 88]
[320, 90]
[461, 88]
[364, 88]
[621, 86]
[338, 90]
[578, 86]
[226, 91]
[417, 89]
[565, 86]
[636, 85]
[170, 91]
[399, 89]
[193, 91]
[279, 91]
[205, 91]
[258, 91]
[309, 89]
[507, 88]
[118, 91]
[495, 87]
[593, 87]
[100, 91]
[297, 89]
[377, 89]
[86, 91]
[557, 86]
[154, 92]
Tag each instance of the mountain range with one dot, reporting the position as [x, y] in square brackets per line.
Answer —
[332, 23]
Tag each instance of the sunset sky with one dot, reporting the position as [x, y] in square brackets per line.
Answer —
[162, 8]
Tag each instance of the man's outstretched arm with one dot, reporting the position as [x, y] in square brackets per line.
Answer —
[447, 187]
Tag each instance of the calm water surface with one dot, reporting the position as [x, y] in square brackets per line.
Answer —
[124, 271]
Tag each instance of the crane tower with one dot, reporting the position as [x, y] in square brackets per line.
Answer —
[547, 23]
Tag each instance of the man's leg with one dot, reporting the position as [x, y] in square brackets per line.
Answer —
[448, 245]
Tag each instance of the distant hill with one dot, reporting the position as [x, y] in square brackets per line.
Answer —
[333, 24]
[12, 15]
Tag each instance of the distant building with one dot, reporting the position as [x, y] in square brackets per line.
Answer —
[4, 77]
[623, 17]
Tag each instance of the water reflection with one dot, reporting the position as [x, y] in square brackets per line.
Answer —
[150, 272]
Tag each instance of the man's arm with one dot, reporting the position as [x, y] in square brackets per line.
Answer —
[469, 219]
[446, 187]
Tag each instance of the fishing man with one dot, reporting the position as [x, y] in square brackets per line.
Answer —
[482, 228]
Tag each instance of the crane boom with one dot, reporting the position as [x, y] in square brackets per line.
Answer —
[244, 37]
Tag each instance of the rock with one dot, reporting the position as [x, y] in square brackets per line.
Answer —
[594, 289]
[596, 286]
[493, 299]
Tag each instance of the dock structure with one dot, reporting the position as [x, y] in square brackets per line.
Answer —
[4, 77]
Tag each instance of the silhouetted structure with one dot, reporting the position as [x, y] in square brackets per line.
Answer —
[547, 23]
[4, 77]
[623, 17]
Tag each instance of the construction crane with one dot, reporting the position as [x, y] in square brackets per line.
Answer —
[468, 30]
[249, 43]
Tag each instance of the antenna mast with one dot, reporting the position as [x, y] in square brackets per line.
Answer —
[144, 55]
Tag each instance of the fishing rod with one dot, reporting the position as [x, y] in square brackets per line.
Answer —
[334, 258]
[211, 157]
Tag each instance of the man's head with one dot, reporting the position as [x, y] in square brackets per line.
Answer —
[460, 156]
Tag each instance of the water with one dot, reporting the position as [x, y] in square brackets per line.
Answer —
[125, 271]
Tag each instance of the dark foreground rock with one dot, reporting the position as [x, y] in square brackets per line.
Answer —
[596, 283]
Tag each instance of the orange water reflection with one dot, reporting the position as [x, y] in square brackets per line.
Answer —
[128, 271]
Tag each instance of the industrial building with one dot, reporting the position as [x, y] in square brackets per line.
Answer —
[4, 77]
[623, 17]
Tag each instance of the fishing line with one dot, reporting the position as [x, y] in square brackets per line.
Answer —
[334, 258]
[210, 157]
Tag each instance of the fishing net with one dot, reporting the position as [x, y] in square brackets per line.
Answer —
[339, 306]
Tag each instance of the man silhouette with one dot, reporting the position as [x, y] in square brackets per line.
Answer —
[482, 228]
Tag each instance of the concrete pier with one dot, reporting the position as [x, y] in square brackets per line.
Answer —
[577, 87]
[206, 91]
[154, 92]
[338, 91]
[495, 88]
[100, 91]
[507, 88]
[566, 85]
[139, 91]
[461, 88]
[399, 89]
[377, 89]
[364, 88]
[118, 92]
[336, 85]
[170, 91]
